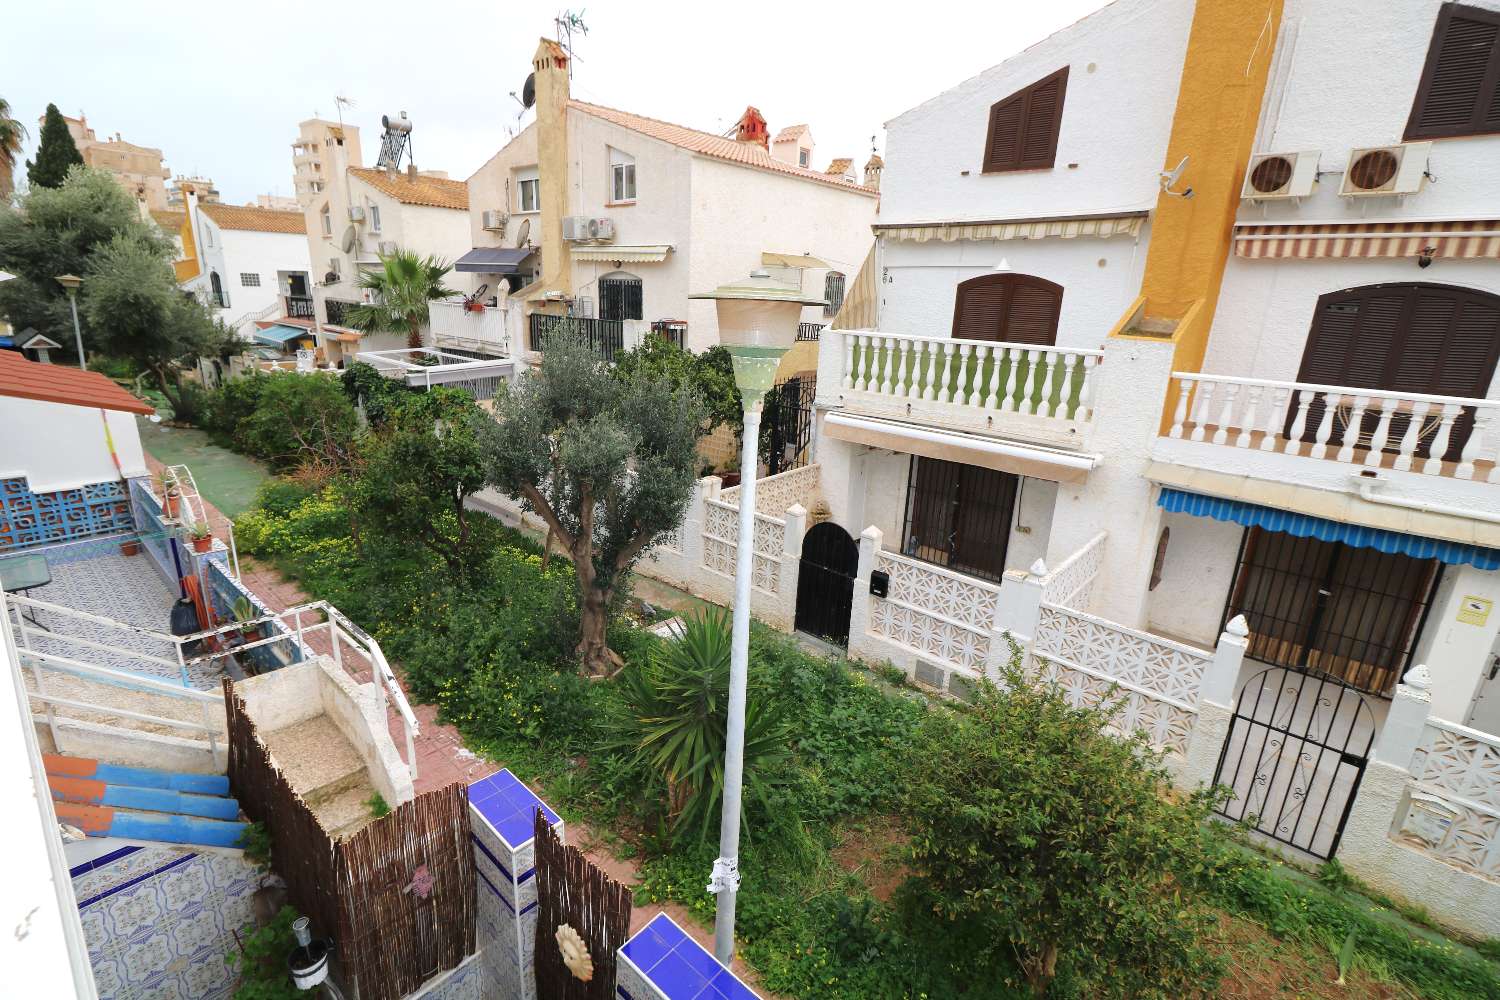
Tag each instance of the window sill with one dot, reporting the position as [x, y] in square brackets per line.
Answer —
[619, 204]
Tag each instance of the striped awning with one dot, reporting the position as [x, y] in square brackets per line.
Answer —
[1307, 526]
[1473, 238]
[1063, 227]
[625, 255]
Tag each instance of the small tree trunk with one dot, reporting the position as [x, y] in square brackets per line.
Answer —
[547, 550]
[1040, 968]
[413, 334]
[593, 646]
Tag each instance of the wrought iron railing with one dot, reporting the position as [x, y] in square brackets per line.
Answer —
[810, 331]
[606, 336]
[338, 311]
[673, 331]
[300, 306]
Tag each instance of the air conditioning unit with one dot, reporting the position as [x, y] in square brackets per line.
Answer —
[1386, 170]
[386, 247]
[356, 213]
[576, 228]
[602, 230]
[493, 220]
[1273, 176]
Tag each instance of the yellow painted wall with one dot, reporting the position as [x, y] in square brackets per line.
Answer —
[187, 266]
[1219, 98]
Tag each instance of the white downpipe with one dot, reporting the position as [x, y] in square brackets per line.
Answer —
[726, 869]
[1367, 492]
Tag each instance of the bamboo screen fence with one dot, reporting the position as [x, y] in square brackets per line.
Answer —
[396, 897]
[570, 890]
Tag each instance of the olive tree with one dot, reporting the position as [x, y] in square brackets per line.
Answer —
[608, 461]
[1061, 846]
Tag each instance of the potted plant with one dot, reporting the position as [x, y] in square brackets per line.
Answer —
[203, 538]
[130, 547]
[171, 495]
[244, 611]
[730, 474]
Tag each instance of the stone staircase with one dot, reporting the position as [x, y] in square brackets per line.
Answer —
[323, 768]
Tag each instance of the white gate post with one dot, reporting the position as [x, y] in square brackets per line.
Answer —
[871, 540]
[1017, 614]
[794, 527]
[1216, 694]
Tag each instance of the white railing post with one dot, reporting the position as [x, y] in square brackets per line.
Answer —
[1222, 676]
[1401, 733]
[870, 542]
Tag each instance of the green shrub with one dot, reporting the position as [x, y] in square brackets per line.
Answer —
[1062, 842]
[261, 960]
[676, 711]
[232, 403]
[363, 384]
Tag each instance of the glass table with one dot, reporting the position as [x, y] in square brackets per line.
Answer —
[24, 573]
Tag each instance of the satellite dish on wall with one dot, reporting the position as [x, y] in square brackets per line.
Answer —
[349, 239]
[523, 233]
[528, 91]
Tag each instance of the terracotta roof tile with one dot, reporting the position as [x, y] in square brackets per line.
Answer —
[789, 133]
[840, 166]
[24, 379]
[434, 192]
[708, 144]
[254, 219]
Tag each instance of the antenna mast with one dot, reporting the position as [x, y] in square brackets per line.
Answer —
[568, 22]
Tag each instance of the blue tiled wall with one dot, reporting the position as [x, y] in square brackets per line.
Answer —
[28, 519]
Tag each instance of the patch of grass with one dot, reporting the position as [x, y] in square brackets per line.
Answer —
[378, 806]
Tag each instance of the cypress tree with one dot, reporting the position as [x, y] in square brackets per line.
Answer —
[55, 154]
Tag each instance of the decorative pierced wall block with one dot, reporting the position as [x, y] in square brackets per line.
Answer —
[720, 543]
[1459, 761]
[942, 640]
[1158, 665]
[28, 518]
[925, 587]
[1071, 584]
[1167, 726]
[774, 494]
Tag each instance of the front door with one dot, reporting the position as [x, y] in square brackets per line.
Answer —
[297, 285]
[959, 516]
[825, 582]
[1350, 613]
[1485, 715]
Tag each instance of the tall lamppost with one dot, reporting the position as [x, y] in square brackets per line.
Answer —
[757, 324]
[72, 283]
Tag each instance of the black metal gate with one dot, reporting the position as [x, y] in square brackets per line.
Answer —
[786, 426]
[825, 582]
[1295, 755]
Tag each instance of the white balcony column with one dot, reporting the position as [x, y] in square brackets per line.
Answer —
[1216, 697]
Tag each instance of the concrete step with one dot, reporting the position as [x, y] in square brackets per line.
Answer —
[136, 777]
[89, 791]
[347, 812]
[316, 759]
[107, 821]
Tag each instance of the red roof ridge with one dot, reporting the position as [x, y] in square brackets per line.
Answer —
[23, 379]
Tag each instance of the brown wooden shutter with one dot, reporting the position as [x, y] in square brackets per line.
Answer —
[1459, 92]
[1013, 308]
[1023, 127]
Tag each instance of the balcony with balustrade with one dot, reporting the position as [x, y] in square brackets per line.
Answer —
[1013, 403]
[1427, 453]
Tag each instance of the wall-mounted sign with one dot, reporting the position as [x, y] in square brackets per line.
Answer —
[1475, 610]
[1428, 819]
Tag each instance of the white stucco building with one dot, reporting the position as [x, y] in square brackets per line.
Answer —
[614, 218]
[248, 260]
[353, 214]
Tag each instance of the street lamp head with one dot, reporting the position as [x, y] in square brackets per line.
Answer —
[71, 282]
[758, 319]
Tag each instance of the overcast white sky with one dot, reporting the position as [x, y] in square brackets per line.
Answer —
[220, 86]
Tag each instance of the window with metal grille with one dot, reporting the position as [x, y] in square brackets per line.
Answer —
[959, 516]
[248, 280]
[620, 297]
[1011, 308]
[833, 293]
[1459, 91]
[1022, 133]
[1351, 613]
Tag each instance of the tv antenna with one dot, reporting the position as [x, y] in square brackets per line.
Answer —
[567, 23]
[339, 103]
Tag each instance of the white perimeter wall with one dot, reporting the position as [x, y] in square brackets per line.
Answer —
[1100, 278]
[1125, 62]
[738, 212]
[61, 447]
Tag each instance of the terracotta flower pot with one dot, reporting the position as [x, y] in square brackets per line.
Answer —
[130, 548]
[204, 544]
[729, 479]
[169, 507]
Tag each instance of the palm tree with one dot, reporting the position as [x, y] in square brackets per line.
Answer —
[12, 135]
[402, 289]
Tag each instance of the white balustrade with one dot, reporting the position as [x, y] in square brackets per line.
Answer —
[1370, 427]
[980, 377]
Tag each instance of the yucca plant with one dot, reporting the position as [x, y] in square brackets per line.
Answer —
[676, 714]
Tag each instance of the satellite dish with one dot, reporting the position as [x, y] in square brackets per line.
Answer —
[528, 91]
[523, 233]
[349, 239]
[1169, 179]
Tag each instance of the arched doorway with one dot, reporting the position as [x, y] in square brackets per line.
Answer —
[1294, 757]
[1407, 337]
[825, 582]
[218, 289]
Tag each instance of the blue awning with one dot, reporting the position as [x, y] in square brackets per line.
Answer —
[493, 260]
[1306, 526]
[278, 335]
